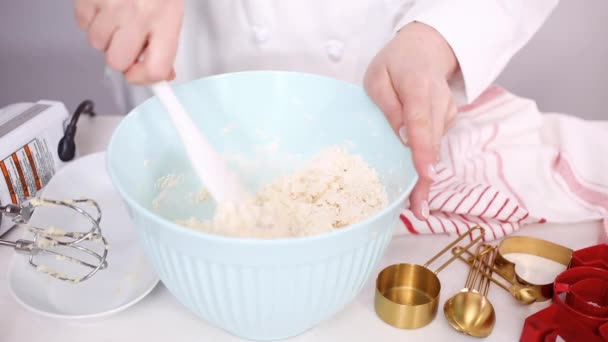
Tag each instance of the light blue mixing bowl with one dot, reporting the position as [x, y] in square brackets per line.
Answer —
[259, 289]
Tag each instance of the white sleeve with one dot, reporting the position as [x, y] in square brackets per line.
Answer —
[484, 35]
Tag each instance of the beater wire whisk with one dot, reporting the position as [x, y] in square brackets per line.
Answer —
[60, 245]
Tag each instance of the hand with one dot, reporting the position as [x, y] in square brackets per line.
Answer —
[123, 29]
[408, 80]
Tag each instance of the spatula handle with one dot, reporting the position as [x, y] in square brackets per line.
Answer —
[221, 183]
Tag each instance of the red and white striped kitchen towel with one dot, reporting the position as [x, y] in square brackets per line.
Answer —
[505, 164]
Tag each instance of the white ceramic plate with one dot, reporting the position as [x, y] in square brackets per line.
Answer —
[128, 278]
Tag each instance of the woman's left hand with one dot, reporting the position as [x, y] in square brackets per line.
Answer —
[408, 80]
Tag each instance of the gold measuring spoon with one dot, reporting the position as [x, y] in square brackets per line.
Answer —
[469, 311]
[522, 294]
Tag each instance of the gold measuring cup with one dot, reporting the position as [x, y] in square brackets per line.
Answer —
[407, 294]
[522, 290]
[532, 246]
[469, 311]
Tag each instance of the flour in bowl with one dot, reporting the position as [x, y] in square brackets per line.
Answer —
[334, 190]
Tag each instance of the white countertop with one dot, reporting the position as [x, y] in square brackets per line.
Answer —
[159, 317]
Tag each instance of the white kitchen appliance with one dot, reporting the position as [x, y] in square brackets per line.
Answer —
[36, 140]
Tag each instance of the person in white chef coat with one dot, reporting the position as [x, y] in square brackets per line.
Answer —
[418, 59]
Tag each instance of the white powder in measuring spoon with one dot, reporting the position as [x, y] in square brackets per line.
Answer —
[334, 190]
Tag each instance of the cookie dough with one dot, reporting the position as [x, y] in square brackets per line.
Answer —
[336, 189]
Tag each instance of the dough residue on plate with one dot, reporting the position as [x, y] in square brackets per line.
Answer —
[336, 189]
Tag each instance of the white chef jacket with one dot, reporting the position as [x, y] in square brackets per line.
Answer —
[338, 38]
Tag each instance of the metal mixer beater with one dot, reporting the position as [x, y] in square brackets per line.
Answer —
[88, 249]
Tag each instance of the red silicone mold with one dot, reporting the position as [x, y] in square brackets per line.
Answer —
[579, 311]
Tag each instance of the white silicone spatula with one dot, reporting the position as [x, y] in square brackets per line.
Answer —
[219, 180]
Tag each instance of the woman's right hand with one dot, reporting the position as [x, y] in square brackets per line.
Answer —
[138, 37]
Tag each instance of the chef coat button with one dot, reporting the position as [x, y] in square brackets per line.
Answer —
[260, 34]
[335, 50]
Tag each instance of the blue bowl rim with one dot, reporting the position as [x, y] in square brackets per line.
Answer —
[239, 240]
